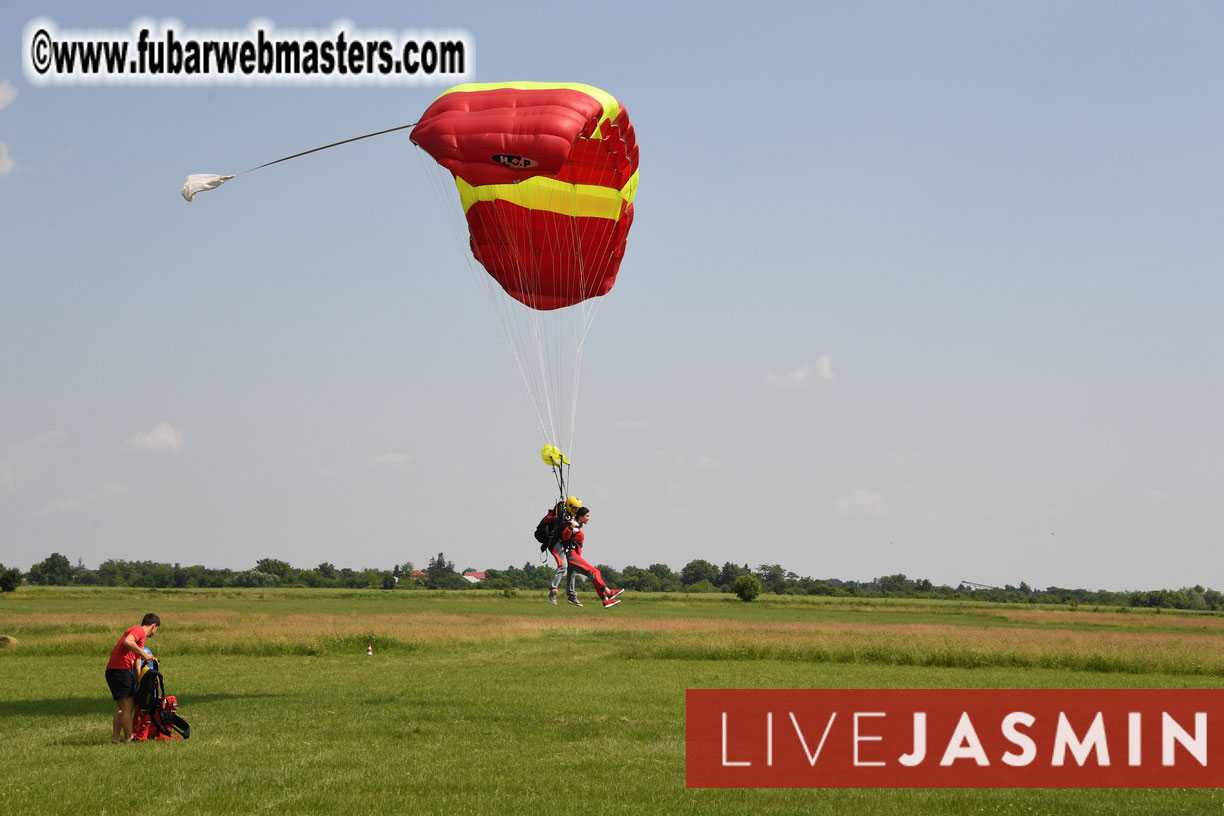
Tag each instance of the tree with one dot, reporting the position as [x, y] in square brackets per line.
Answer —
[368, 578]
[328, 571]
[311, 578]
[155, 575]
[772, 577]
[698, 570]
[194, 576]
[639, 580]
[10, 579]
[56, 570]
[110, 572]
[440, 574]
[501, 579]
[747, 587]
[729, 572]
[897, 584]
[274, 566]
[668, 580]
[255, 578]
[85, 577]
[662, 570]
[439, 567]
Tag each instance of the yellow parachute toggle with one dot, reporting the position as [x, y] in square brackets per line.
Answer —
[553, 456]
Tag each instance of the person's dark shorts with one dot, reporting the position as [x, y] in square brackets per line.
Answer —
[122, 683]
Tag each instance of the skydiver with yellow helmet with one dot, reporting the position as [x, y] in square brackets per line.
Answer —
[565, 537]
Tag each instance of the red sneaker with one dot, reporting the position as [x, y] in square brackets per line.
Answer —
[611, 602]
[611, 593]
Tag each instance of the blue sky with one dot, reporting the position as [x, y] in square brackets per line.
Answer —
[927, 289]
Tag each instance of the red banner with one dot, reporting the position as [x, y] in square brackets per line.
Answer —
[955, 738]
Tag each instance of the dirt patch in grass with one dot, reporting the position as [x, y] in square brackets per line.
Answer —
[1047, 639]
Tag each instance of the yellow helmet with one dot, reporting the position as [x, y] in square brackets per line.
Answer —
[572, 504]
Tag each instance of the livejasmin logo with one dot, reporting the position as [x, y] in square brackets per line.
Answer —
[1013, 738]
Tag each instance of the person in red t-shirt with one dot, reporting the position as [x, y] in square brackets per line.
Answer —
[121, 673]
[572, 538]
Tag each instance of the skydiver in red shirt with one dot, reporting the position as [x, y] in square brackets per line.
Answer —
[572, 538]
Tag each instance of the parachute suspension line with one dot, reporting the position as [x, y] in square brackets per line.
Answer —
[526, 329]
[512, 325]
[547, 346]
[587, 308]
[588, 318]
[540, 334]
[544, 366]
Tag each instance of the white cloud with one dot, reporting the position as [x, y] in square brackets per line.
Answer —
[862, 501]
[7, 94]
[391, 459]
[819, 372]
[165, 438]
[99, 499]
[629, 424]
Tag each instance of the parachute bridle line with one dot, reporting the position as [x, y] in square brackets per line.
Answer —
[199, 182]
[325, 147]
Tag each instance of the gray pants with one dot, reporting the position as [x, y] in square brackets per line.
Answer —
[559, 555]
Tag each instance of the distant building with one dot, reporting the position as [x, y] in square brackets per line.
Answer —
[473, 576]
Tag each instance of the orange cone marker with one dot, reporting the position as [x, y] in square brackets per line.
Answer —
[369, 650]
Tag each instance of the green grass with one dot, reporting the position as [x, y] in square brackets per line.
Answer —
[476, 702]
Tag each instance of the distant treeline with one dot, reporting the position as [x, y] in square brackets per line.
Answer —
[696, 576]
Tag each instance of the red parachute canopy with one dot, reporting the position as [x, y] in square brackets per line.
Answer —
[546, 174]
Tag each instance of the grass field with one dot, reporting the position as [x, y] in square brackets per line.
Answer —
[479, 702]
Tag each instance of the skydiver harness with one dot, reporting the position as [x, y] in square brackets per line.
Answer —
[548, 531]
